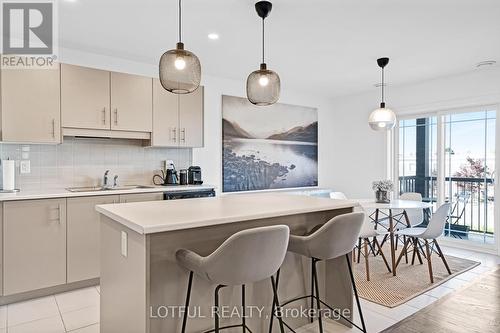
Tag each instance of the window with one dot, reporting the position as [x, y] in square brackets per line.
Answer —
[458, 168]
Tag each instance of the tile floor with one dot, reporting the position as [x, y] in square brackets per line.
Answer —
[78, 311]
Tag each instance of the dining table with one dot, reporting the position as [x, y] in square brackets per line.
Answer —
[377, 209]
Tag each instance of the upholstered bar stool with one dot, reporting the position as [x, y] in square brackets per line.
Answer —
[246, 257]
[333, 239]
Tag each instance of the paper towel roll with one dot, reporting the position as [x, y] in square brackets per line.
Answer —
[9, 174]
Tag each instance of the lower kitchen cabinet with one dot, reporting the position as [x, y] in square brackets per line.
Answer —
[141, 197]
[34, 245]
[83, 236]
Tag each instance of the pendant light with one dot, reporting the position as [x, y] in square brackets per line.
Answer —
[263, 85]
[180, 70]
[382, 119]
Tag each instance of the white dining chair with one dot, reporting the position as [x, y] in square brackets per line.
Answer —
[367, 238]
[429, 236]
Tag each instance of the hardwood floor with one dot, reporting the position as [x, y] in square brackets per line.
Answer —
[473, 309]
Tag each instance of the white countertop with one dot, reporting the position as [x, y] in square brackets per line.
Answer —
[161, 216]
[63, 193]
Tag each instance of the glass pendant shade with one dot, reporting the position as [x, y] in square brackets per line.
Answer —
[180, 70]
[263, 86]
[382, 119]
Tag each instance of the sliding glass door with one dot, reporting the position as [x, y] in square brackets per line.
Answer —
[469, 170]
[450, 157]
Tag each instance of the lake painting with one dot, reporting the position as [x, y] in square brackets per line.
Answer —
[268, 147]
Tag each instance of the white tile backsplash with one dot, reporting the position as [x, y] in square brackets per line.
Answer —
[82, 162]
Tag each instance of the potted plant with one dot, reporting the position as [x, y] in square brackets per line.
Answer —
[382, 189]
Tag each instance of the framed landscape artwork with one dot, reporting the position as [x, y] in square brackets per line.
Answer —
[268, 147]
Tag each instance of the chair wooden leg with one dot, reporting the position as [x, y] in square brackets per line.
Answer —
[382, 254]
[416, 243]
[367, 265]
[429, 263]
[414, 254]
[442, 257]
[359, 249]
[404, 252]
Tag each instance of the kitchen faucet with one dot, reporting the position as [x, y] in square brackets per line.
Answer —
[105, 182]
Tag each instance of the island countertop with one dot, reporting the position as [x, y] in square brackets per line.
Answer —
[170, 215]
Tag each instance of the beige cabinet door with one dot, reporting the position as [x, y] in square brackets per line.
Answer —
[34, 239]
[165, 117]
[83, 236]
[30, 105]
[131, 102]
[191, 119]
[85, 97]
[141, 197]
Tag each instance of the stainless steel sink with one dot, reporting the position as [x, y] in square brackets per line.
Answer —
[129, 187]
[100, 188]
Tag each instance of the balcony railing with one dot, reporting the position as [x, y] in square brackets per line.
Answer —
[472, 200]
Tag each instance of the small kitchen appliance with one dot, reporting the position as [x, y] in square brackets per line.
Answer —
[183, 176]
[168, 176]
[194, 175]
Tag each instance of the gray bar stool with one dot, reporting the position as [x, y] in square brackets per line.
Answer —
[246, 257]
[333, 239]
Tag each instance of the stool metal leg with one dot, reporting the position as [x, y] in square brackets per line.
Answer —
[356, 293]
[312, 287]
[243, 322]
[188, 296]
[316, 288]
[278, 307]
[273, 307]
[216, 317]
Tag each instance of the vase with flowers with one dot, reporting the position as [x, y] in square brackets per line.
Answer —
[382, 189]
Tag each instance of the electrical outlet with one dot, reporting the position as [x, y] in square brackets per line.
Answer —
[124, 244]
[25, 166]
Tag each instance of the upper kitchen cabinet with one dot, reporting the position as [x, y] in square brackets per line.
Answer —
[191, 119]
[177, 119]
[30, 105]
[131, 102]
[165, 117]
[85, 94]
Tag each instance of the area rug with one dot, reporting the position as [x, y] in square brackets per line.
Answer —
[411, 280]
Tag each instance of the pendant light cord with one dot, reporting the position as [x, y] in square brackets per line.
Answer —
[383, 85]
[180, 22]
[263, 40]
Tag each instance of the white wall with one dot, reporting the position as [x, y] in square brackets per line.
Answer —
[359, 154]
[209, 158]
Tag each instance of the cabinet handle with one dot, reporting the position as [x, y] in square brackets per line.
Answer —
[116, 116]
[183, 138]
[175, 134]
[60, 213]
[53, 128]
[104, 116]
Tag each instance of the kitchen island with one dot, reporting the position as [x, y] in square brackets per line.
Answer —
[142, 287]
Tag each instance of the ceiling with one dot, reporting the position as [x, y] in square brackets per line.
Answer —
[326, 47]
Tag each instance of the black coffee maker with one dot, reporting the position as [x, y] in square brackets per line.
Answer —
[194, 175]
